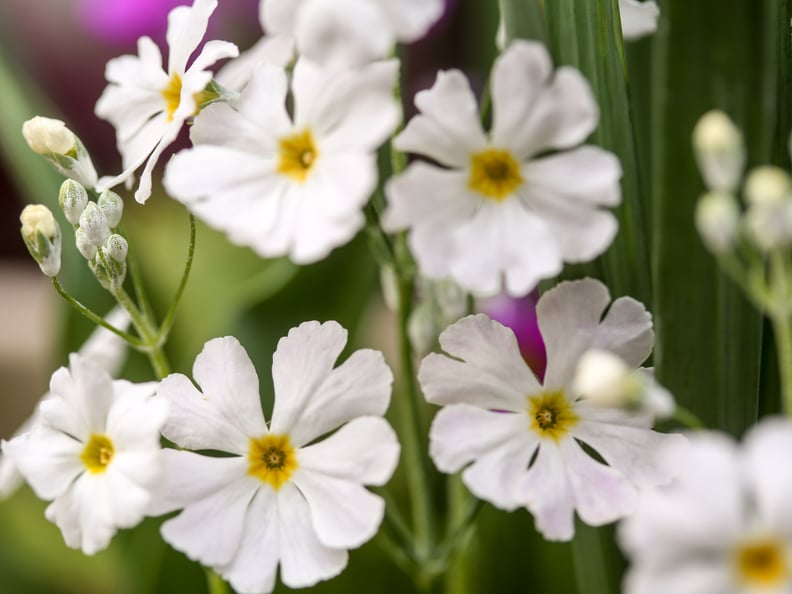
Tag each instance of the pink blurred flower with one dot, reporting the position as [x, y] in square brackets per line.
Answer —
[123, 21]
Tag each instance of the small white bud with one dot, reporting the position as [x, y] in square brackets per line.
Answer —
[42, 237]
[767, 185]
[604, 379]
[116, 247]
[94, 223]
[49, 136]
[720, 151]
[717, 220]
[108, 271]
[112, 206]
[84, 245]
[769, 226]
[73, 199]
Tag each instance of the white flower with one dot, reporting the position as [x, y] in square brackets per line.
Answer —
[520, 439]
[638, 19]
[724, 525]
[148, 105]
[282, 184]
[349, 32]
[497, 212]
[287, 495]
[94, 452]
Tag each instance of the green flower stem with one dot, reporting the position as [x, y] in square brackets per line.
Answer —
[215, 584]
[134, 341]
[687, 419]
[782, 329]
[148, 332]
[167, 323]
[137, 284]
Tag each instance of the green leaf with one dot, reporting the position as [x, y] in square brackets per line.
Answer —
[523, 19]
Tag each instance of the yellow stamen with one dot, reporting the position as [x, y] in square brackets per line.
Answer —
[763, 563]
[172, 95]
[97, 454]
[297, 155]
[494, 173]
[551, 414]
[272, 459]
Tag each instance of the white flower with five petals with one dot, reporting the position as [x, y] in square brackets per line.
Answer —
[349, 32]
[289, 185]
[148, 105]
[94, 451]
[519, 439]
[500, 211]
[724, 525]
[289, 494]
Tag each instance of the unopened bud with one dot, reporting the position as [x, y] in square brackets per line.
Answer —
[84, 245]
[112, 206]
[109, 272]
[49, 136]
[717, 220]
[73, 199]
[42, 237]
[769, 226]
[720, 151]
[604, 379]
[767, 185]
[94, 223]
[116, 247]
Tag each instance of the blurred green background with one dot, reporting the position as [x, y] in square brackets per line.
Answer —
[713, 351]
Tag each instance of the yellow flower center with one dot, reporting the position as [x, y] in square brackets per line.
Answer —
[551, 414]
[297, 155]
[172, 95]
[97, 454]
[494, 173]
[272, 459]
[763, 563]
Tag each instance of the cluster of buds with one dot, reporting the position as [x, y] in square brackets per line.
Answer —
[95, 231]
[765, 224]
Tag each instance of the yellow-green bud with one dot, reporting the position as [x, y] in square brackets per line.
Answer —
[73, 199]
[720, 151]
[42, 237]
[767, 185]
[49, 136]
[717, 220]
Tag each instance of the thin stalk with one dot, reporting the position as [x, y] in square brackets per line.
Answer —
[783, 336]
[167, 322]
[134, 341]
[145, 327]
[687, 419]
[216, 584]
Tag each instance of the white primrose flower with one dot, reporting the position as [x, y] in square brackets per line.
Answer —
[493, 212]
[724, 525]
[638, 19]
[288, 185]
[349, 32]
[94, 451]
[148, 105]
[289, 494]
[519, 439]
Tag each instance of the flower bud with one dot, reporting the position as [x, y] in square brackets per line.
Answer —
[73, 199]
[116, 247]
[94, 223]
[109, 272]
[767, 185]
[42, 237]
[422, 328]
[84, 245]
[62, 148]
[49, 136]
[720, 151]
[717, 220]
[769, 226]
[112, 206]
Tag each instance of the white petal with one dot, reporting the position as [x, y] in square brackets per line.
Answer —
[213, 51]
[228, 412]
[491, 373]
[448, 128]
[532, 113]
[766, 463]
[411, 19]
[221, 125]
[84, 514]
[186, 28]
[497, 475]
[602, 494]
[304, 560]
[342, 32]
[569, 320]
[105, 348]
[365, 451]
[48, 459]
[344, 514]
[135, 420]
[169, 134]
[301, 363]
[129, 109]
[252, 570]
[279, 16]
[701, 574]
[587, 174]
[645, 457]
[277, 50]
[638, 19]
[461, 433]
[10, 477]
[210, 529]
[546, 491]
[92, 395]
